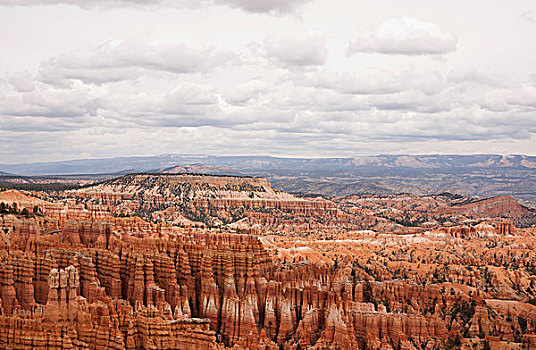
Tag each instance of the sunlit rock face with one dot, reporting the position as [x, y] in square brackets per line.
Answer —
[76, 275]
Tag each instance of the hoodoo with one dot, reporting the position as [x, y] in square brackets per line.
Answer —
[152, 261]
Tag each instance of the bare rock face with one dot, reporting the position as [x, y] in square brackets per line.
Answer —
[503, 206]
[502, 227]
[203, 291]
[68, 321]
[81, 278]
[62, 304]
[60, 288]
[8, 294]
[187, 199]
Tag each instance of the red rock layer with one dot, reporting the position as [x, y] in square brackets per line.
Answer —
[199, 290]
[212, 200]
[501, 227]
[502, 206]
[100, 282]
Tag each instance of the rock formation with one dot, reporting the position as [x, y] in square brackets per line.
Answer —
[77, 275]
[212, 200]
[503, 206]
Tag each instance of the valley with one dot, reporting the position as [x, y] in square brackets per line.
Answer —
[191, 261]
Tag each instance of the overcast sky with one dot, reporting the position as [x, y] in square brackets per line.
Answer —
[310, 78]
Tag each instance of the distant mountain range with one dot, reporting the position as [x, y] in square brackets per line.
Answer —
[483, 175]
[267, 163]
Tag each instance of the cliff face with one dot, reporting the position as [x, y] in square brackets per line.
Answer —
[211, 200]
[64, 291]
[75, 275]
[503, 206]
[69, 321]
[84, 288]
[501, 227]
[186, 291]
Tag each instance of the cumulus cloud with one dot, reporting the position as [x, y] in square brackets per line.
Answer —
[128, 92]
[427, 107]
[297, 51]
[190, 100]
[476, 76]
[285, 93]
[22, 81]
[185, 105]
[373, 81]
[47, 101]
[266, 6]
[404, 36]
[37, 124]
[275, 7]
[529, 16]
[245, 92]
[92, 4]
[129, 59]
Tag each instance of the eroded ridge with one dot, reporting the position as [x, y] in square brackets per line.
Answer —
[73, 275]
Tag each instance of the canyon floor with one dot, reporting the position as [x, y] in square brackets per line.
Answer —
[182, 261]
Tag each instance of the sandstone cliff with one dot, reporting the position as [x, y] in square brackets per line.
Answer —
[75, 276]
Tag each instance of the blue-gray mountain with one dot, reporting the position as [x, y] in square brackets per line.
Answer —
[475, 175]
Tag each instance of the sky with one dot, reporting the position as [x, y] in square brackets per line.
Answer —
[297, 78]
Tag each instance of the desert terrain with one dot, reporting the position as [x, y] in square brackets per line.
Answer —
[182, 261]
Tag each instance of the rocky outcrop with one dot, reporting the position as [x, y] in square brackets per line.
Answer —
[209, 200]
[68, 321]
[77, 277]
[503, 206]
[211, 289]
[501, 227]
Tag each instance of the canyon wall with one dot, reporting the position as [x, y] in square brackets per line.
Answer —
[92, 284]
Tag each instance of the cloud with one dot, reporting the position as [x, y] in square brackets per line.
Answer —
[404, 36]
[273, 7]
[37, 124]
[373, 81]
[298, 51]
[87, 4]
[130, 59]
[261, 108]
[47, 101]
[191, 117]
[246, 92]
[476, 76]
[529, 16]
[398, 105]
[190, 100]
[284, 93]
[22, 81]
[266, 6]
